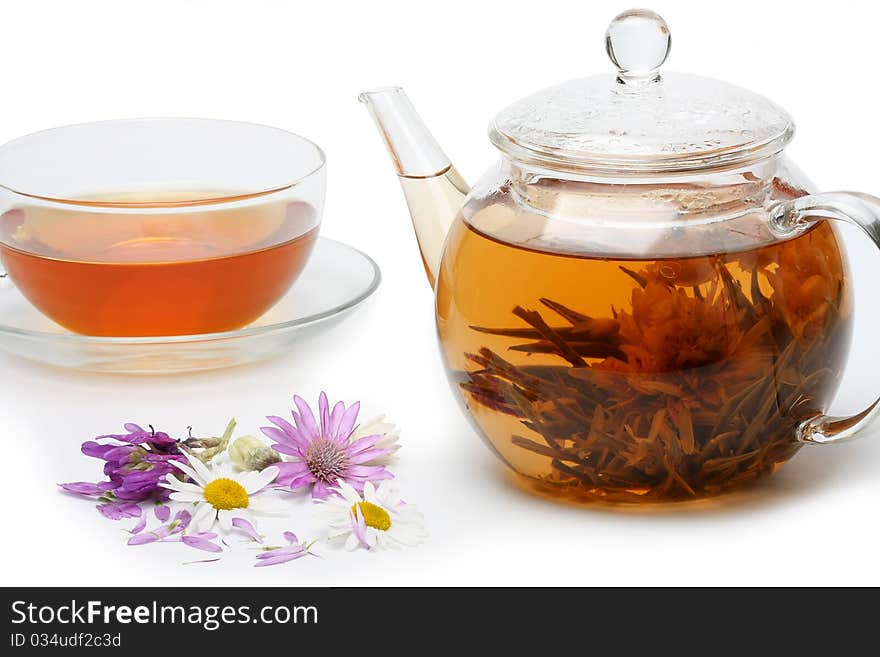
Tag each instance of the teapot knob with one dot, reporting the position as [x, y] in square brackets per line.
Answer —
[638, 43]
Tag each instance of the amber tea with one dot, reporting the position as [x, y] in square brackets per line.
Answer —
[183, 270]
[633, 380]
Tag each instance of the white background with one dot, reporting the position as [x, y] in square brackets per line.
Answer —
[300, 65]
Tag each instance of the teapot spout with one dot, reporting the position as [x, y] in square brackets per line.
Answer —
[434, 190]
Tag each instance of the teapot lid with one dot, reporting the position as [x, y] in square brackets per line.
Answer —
[639, 120]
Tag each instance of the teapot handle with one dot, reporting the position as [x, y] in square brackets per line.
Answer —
[795, 216]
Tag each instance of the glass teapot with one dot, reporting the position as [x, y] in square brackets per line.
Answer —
[643, 300]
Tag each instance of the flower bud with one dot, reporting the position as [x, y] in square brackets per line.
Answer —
[249, 453]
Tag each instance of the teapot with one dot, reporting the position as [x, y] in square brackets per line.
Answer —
[643, 300]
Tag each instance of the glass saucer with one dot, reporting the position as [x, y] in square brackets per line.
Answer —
[336, 279]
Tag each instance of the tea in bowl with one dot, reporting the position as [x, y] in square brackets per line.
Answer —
[158, 227]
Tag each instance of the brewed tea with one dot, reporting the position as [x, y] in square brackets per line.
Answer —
[181, 270]
[632, 380]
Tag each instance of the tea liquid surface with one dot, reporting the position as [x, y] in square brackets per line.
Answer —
[636, 380]
[172, 272]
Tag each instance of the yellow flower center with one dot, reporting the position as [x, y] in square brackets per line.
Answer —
[374, 516]
[226, 494]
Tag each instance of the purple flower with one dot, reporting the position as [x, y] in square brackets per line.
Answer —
[134, 463]
[276, 555]
[318, 457]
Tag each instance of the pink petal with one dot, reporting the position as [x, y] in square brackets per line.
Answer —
[308, 420]
[120, 510]
[248, 528]
[368, 455]
[183, 518]
[295, 466]
[143, 539]
[301, 481]
[86, 488]
[291, 537]
[361, 444]
[275, 559]
[335, 418]
[283, 442]
[97, 450]
[369, 472]
[163, 512]
[139, 526]
[293, 474]
[320, 491]
[200, 543]
[163, 532]
[346, 424]
[282, 424]
[293, 436]
[360, 526]
[287, 450]
[324, 412]
[209, 535]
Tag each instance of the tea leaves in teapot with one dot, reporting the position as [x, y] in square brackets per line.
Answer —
[691, 381]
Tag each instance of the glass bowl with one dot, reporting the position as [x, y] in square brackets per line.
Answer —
[157, 227]
[336, 279]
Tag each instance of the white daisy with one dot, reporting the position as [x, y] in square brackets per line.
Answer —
[221, 494]
[378, 519]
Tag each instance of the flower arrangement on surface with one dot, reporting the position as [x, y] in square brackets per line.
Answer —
[202, 491]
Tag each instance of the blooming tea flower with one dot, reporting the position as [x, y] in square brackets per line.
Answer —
[378, 519]
[804, 285]
[319, 456]
[220, 494]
